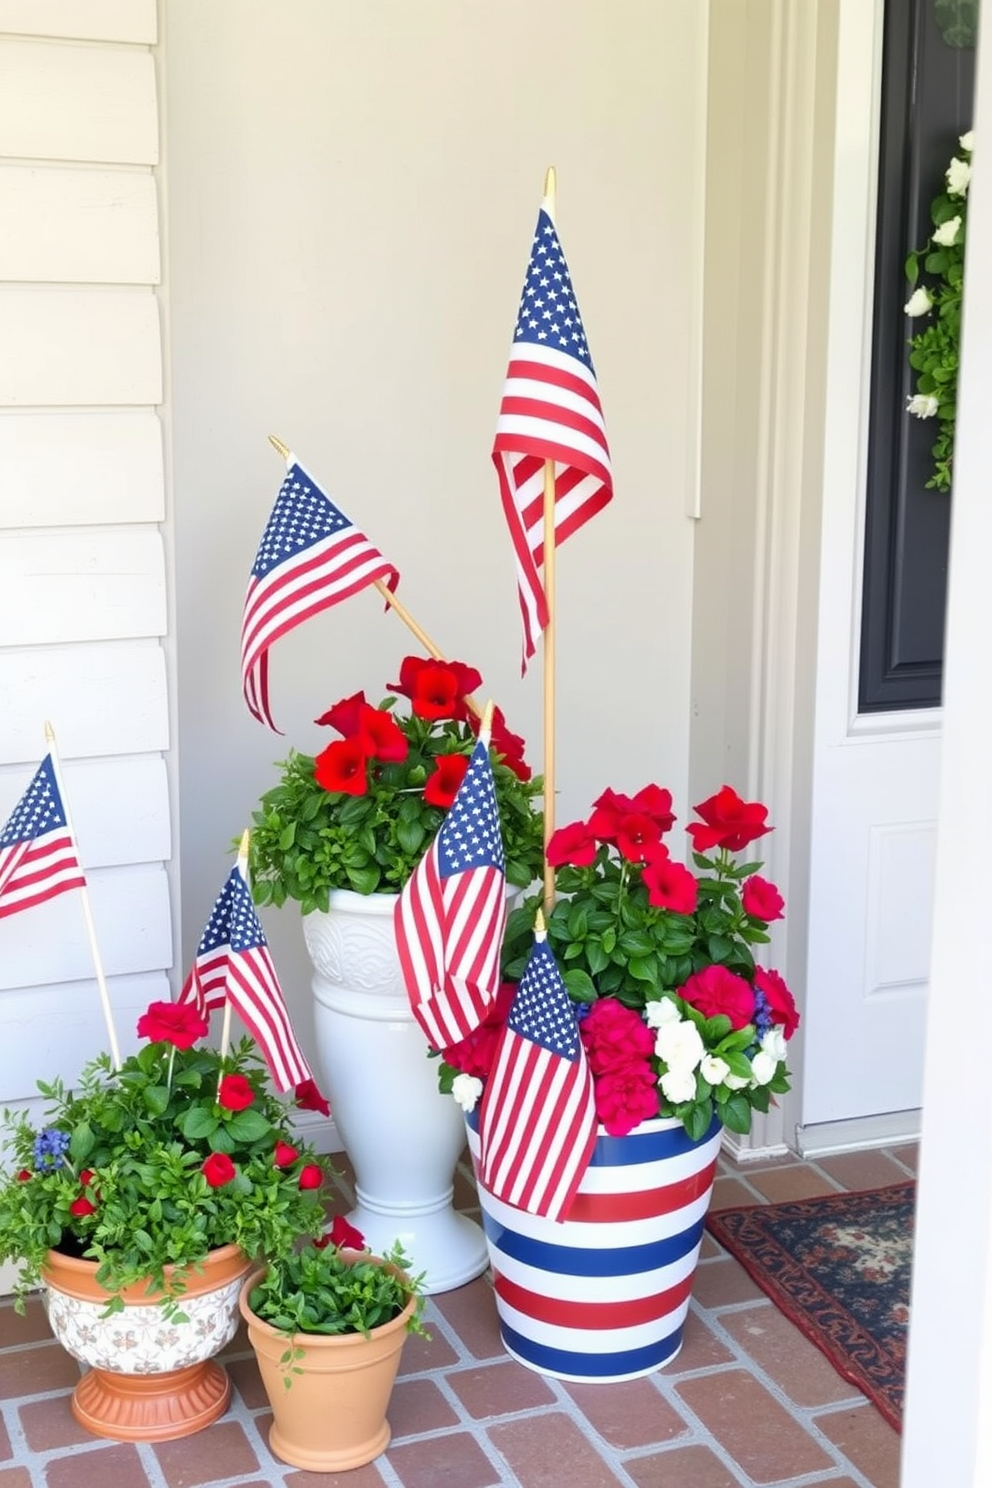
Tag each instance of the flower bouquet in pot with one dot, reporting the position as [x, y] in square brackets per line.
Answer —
[328, 1322]
[340, 834]
[154, 1186]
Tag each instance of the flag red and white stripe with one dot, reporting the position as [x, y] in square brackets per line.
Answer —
[38, 855]
[550, 411]
[310, 557]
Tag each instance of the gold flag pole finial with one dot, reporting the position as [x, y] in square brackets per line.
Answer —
[279, 447]
[540, 929]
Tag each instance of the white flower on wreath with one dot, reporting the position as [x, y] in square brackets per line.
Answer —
[967, 140]
[713, 1069]
[660, 1011]
[466, 1090]
[918, 303]
[773, 1042]
[924, 405]
[763, 1067]
[678, 1085]
[958, 175]
[680, 1046]
[736, 1082]
[946, 234]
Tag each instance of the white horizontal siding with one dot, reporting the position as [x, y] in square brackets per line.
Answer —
[85, 20]
[119, 808]
[80, 226]
[48, 943]
[79, 346]
[90, 584]
[60, 100]
[68, 469]
[106, 698]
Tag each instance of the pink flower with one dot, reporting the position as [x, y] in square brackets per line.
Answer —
[781, 1003]
[715, 990]
[614, 1036]
[625, 1097]
[762, 900]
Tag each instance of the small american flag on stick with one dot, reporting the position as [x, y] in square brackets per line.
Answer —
[451, 913]
[310, 557]
[550, 411]
[537, 1121]
[233, 964]
[38, 856]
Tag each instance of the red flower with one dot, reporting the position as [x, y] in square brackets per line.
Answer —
[573, 844]
[175, 1023]
[311, 1176]
[781, 1003]
[381, 735]
[727, 822]
[607, 811]
[309, 1098]
[636, 835]
[670, 885]
[345, 1234]
[626, 1096]
[218, 1169]
[341, 767]
[716, 990]
[436, 689]
[24, 1175]
[345, 716]
[234, 1093]
[442, 787]
[656, 803]
[81, 1207]
[86, 1177]
[507, 746]
[475, 1054]
[614, 1036]
[284, 1155]
[762, 900]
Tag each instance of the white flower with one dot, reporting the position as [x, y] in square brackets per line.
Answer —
[714, 1069]
[736, 1082]
[678, 1085]
[660, 1011]
[924, 405]
[958, 175]
[763, 1067]
[466, 1090]
[947, 233]
[773, 1042]
[680, 1046]
[918, 303]
[967, 141]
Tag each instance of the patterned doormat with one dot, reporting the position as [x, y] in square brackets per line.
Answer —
[839, 1267]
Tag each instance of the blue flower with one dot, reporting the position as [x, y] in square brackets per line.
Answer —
[762, 1017]
[50, 1147]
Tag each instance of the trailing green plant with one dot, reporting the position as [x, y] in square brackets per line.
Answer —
[936, 274]
[147, 1168]
[360, 814]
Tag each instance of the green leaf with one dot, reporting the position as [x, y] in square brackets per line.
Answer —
[198, 1123]
[156, 1098]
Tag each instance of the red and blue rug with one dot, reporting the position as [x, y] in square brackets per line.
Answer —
[839, 1267]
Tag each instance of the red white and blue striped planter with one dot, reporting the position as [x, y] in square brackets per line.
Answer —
[603, 1296]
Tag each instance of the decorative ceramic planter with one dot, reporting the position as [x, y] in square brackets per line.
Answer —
[149, 1379]
[603, 1296]
[402, 1136]
[332, 1416]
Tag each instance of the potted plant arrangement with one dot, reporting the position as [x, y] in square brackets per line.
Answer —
[328, 1322]
[684, 1036]
[340, 834]
[140, 1203]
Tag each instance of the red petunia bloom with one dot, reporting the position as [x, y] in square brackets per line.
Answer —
[509, 747]
[670, 885]
[381, 736]
[345, 715]
[342, 767]
[574, 845]
[655, 802]
[175, 1023]
[715, 990]
[81, 1207]
[311, 1176]
[218, 1169]
[476, 1054]
[625, 1096]
[86, 1177]
[614, 1036]
[234, 1093]
[762, 900]
[728, 822]
[309, 1098]
[637, 835]
[345, 1235]
[25, 1175]
[437, 689]
[781, 1003]
[284, 1155]
[442, 786]
[607, 811]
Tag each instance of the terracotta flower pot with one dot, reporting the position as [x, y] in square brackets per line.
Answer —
[149, 1379]
[332, 1416]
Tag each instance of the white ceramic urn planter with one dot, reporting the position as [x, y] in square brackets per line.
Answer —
[403, 1137]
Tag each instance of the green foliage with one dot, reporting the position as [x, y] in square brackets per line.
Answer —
[306, 840]
[138, 1138]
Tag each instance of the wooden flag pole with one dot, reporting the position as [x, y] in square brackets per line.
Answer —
[225, 1032]
[429, 646]
[549, 632]
[101, 982]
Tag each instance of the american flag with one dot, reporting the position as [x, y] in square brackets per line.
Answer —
[38, 857]
[537, 1120]
[233, 963]
[310, 557]
[550, 411]
[451, 913]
